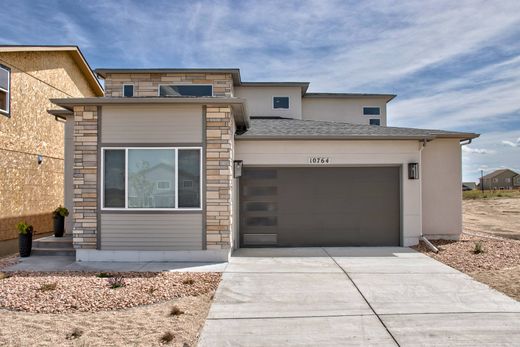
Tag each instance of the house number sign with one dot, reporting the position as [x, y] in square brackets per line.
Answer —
[320, 160]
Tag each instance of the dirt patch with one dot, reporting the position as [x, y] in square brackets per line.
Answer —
[500, 217]
[140, 326]
[498, 266]
[87, 292]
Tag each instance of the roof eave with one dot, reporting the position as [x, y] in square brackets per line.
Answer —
[330, 138]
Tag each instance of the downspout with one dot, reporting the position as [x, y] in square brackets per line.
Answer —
[422, 237]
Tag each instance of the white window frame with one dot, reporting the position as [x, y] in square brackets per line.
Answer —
[371, 115]
[281, 96]
[7, 111]
[184, 85]
[176, 183]
[123, 90]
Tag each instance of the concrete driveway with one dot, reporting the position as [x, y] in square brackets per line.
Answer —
[354, 296]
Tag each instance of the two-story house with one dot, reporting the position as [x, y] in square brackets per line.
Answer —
[500, 180]
[31, 142]
[188, 164]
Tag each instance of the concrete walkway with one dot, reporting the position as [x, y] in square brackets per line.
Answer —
[354, 296]
[44, 263]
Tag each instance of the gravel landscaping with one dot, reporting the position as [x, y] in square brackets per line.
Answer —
[49, 292]
[497, 266]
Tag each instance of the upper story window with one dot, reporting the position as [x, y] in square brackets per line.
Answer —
[371, 111]
[5, 90]
[128, 90]
[375, 122]
[186, 90]
[281, 102]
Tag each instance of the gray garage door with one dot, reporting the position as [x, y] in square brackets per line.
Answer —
[321, 206]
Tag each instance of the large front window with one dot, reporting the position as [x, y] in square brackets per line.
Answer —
[186, 90]
[152, 178]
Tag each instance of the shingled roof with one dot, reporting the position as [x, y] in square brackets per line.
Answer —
[282, 128]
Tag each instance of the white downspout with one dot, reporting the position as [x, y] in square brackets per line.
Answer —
[422, 237]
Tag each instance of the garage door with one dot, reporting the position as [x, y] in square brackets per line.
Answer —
[320, 206]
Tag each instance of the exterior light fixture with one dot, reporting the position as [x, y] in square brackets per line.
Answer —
[237, 168]
[413, 171]
[40, 159]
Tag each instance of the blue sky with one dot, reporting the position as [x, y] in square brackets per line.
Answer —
[453, 64]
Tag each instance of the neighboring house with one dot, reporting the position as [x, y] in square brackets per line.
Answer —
[276, 166]
[469, 186]
[499, 180]
[31, 143]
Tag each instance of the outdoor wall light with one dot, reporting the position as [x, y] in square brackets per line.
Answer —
[237, 168]
[40, 159]
[413, 171]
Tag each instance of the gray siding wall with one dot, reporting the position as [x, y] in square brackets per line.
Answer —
[151, 124]
[151, 232]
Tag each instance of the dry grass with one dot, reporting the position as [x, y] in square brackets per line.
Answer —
[490, 194]
[497, 265]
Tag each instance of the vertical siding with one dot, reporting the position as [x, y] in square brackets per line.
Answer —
[151, 124]
[151, 232]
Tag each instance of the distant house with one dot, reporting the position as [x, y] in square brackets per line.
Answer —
[469, 186]
[500, 179]
[31, 142]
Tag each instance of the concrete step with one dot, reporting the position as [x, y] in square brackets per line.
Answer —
[53, 251]
[53, 242]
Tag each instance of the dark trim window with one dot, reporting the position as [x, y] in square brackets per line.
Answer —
[281, 102]
[158, 178]
[186, 90]
[375, 122]
[371, 111]
[5, 90]
[128, 90]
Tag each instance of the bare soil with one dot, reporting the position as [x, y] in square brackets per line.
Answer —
[498, 217]
[498, 266]
[139, 326]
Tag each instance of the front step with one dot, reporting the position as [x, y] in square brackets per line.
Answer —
[51, 245]
[53, 251]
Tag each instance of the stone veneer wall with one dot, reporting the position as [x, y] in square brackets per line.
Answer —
[85, 176]
[219, 176]
[146, 84]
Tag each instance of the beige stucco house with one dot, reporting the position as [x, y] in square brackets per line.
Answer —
[31, 142]
[188, 164]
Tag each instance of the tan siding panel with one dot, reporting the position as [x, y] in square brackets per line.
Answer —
[158, 232]
[151, 124]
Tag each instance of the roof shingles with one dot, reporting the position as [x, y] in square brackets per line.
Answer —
[281, 128]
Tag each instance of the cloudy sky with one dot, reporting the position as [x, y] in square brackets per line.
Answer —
[453, 64]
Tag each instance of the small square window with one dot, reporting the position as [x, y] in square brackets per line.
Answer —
[5, 90]
[128, 90]
[371, 111]
[281, 102]
[375, 122]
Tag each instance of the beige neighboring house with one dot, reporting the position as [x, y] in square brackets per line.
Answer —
[500, 179]
[31, 142]
[189, 164]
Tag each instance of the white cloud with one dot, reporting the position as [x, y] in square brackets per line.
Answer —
[509, 143]
[477, 150]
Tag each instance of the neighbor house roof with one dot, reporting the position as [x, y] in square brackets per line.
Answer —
[497, 173]
[290, 129]
[237, 104]
[76, 55]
